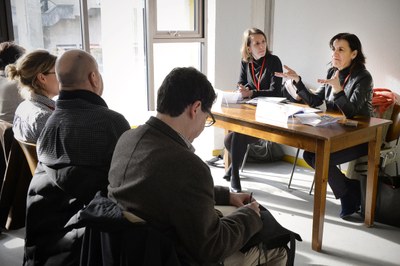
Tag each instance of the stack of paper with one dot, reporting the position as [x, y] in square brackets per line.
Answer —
[256, 100]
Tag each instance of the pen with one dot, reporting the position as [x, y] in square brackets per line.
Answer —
[251, 197]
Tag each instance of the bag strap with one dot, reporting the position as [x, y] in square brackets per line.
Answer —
[292, 250]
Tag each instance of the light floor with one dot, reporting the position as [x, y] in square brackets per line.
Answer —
[344, 242]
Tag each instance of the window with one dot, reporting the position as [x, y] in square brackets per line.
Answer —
[176, 39]
[179, 19]
[91, 25]
[135, 42]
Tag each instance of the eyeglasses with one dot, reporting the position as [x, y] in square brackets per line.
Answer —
[210, 119]
[48, 73]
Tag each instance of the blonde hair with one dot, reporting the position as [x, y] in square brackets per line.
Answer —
[246, 41]
[26, 69]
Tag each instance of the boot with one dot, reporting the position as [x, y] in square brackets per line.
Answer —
[351, 201]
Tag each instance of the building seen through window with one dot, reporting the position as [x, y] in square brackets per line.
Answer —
[114, 33]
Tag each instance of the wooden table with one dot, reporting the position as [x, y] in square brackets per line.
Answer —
[321, 140]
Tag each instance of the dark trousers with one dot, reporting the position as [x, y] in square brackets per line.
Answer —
[236, 144]
[338, 182]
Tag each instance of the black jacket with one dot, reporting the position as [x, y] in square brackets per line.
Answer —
[270, 85]
[74, 151]
[354, 100]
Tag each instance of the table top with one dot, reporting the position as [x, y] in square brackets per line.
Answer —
[245, 113]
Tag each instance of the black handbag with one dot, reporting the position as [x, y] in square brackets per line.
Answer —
[274, 235]
[387, 199]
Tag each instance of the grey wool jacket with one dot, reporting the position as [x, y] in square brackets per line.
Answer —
[156, 176]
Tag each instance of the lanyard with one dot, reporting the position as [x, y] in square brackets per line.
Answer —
[345, 80]
[257, 84]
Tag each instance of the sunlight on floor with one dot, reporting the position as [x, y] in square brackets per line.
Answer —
[14, 243]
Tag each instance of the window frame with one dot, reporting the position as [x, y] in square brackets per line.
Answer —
[198, 31]
[199, 35]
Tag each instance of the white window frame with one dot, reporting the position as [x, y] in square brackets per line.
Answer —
[198, 35]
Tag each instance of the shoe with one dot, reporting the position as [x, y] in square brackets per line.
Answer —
[351, 201]
[216, 161]
[227, 175]
[235, 190]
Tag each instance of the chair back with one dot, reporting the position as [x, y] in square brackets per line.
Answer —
[393, 132]
[30, 153]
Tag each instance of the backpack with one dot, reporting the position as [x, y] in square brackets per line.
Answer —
[274, 235]
[264, 151]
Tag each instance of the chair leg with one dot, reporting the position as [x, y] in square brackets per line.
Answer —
[294, 167]
[312, 186]
[245, 158]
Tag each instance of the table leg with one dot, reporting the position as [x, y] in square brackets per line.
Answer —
[227, 159]
[321, 180]
[374, 147]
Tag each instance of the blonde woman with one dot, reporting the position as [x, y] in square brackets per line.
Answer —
[38, 86]
[257, 78]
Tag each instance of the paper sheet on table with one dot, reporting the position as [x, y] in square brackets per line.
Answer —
[316, 120]
[279, 112]
[227, 97]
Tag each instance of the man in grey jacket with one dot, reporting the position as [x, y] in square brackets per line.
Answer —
[156, 175]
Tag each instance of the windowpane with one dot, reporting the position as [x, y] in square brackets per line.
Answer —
[170, 55]
[176, 15]
[121, 54]
[46, 25]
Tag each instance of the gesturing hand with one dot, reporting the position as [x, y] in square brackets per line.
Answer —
[333, 81]
[289, 74]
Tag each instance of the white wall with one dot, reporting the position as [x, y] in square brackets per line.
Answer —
[303, 28]
[226, 22]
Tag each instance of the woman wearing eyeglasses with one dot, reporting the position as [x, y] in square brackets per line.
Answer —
[257, 78]
[38, 86]
[347, 88]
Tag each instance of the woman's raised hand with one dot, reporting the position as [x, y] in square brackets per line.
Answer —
[289, 74]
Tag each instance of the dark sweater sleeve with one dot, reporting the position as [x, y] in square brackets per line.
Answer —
[271, 85]
[243, 74]
[312, 99]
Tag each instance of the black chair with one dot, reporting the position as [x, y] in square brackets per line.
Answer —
[114, 237]
[291, 174]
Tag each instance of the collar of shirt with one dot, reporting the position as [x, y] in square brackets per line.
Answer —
[43, 100]
[190, 146]
[343, 73]
[82, 94]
